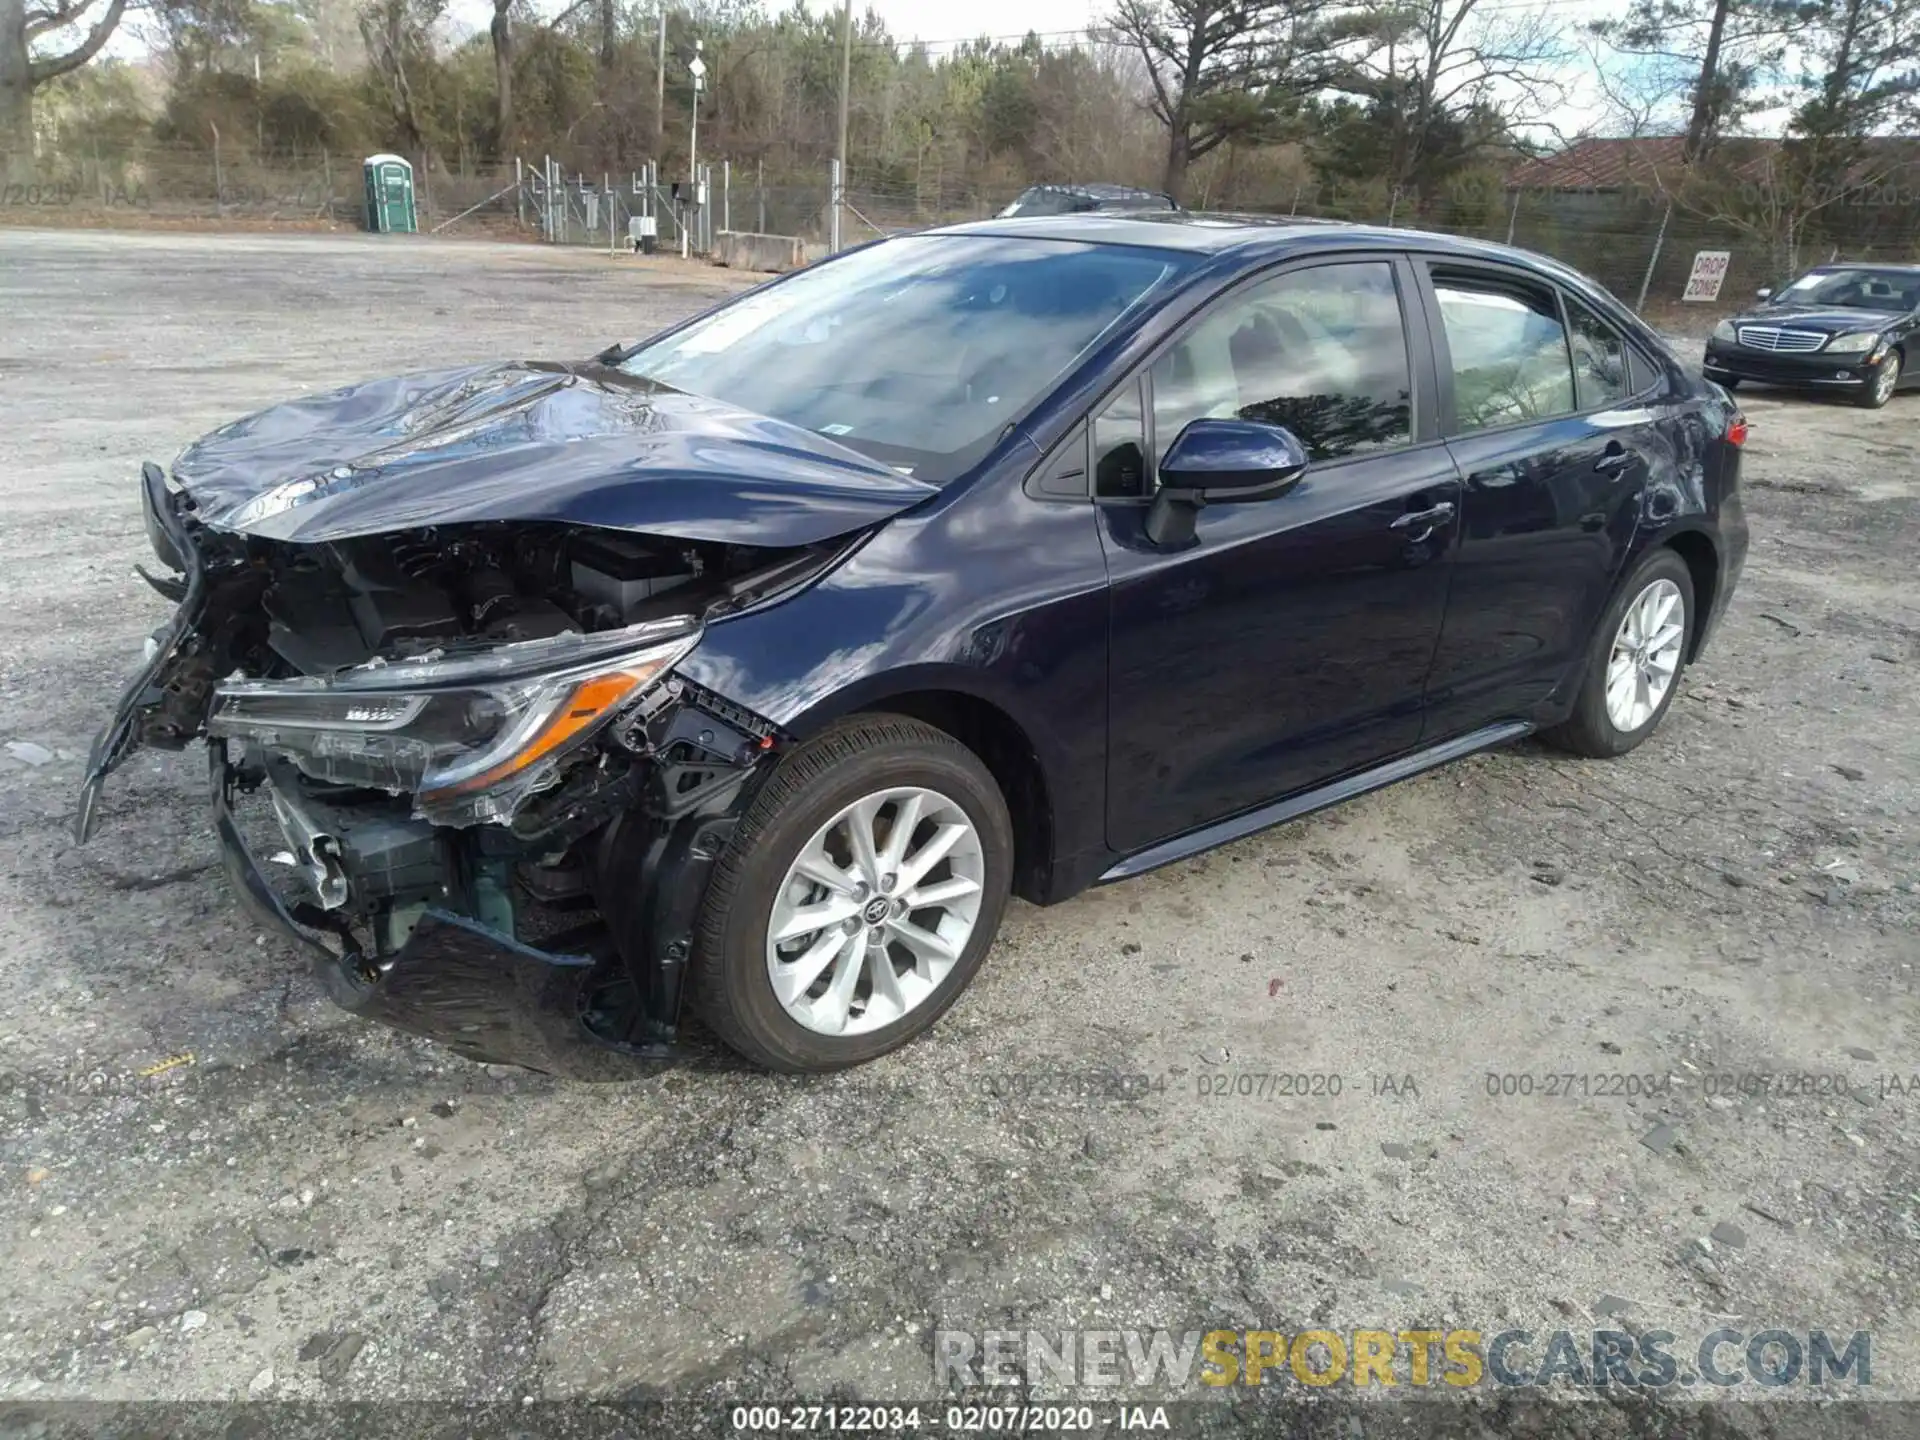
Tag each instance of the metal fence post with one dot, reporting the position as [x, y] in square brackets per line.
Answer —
[834, 200]
[726, 195]
[519, 193]
[760, 196]
[1659, 239]
[1513, 212]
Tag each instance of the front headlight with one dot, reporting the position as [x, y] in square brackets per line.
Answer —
[469, 737]
[1858, 343]
[1724, 331]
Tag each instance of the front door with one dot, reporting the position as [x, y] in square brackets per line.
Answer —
[1290, 642]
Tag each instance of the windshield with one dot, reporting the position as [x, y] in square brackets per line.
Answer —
[917, 351]
[1855, 289]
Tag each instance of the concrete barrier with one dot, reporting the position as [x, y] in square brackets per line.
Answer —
[742, 250]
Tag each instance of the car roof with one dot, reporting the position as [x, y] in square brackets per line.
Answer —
[1904, 267]
[1257, 235]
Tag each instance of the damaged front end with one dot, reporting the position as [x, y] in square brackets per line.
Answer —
[455, 763]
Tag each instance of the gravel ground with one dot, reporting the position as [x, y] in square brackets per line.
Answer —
[214, 1186]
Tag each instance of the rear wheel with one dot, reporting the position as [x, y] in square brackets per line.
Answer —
[860, 893]
[1879, 390]
[1633, 661]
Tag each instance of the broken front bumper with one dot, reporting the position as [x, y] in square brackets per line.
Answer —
[116, 738]
[482, 994]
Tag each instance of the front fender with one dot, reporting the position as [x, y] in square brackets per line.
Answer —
[997, 597]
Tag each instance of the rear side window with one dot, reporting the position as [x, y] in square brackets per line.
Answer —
[1646, 374]
[1509, 350]
[1321, 351]
[1600, 372]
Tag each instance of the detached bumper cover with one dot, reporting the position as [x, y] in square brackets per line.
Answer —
[478, 992]
[115, 739]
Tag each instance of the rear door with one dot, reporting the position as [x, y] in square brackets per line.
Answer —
[1554, 441]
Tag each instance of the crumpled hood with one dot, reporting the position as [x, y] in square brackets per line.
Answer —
[1831, 319]
[583, 444]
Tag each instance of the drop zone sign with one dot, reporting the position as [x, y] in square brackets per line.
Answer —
[1708, 275]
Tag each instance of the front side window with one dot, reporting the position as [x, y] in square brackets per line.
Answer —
[1599, 359]
[1509, 350]
[1321, 351]
[917, 351]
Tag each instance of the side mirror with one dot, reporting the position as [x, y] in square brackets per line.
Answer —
[1765, 292]
[1221, 462]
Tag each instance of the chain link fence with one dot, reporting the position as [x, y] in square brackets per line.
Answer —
[1638, 244]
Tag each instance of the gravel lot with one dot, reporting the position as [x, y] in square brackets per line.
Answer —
[212, 1185]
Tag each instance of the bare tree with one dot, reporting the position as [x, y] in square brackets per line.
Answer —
[502, 32]
[1427, 66]
[21, 72]
[1712, 55]
[1221, 70]
[395, 32]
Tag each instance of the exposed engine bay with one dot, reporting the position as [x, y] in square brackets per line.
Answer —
[391, 597]
[317, 610]
[464, 743]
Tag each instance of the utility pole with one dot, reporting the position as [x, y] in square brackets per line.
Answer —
[846, 80]
[660, 86]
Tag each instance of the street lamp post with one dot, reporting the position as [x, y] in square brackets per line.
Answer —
[697, 67]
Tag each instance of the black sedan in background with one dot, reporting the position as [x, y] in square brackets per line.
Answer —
[1085, 200]
[1838, 327]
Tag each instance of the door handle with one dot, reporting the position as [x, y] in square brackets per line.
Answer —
[1614, 458]
[1424, 520]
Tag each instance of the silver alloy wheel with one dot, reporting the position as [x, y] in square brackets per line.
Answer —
[875, 911]
[1645, 656]
[1888, 377]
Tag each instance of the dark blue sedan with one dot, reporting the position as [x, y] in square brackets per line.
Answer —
[754, 665]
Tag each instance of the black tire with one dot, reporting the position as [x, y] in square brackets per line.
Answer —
[1589, 730]
[731, 989]
[1878, 391]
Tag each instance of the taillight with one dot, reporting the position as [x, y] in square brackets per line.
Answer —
[1736, 429]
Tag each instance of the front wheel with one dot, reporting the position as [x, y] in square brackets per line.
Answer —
[859, 895]
[1879, 390]
[1633, 661]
